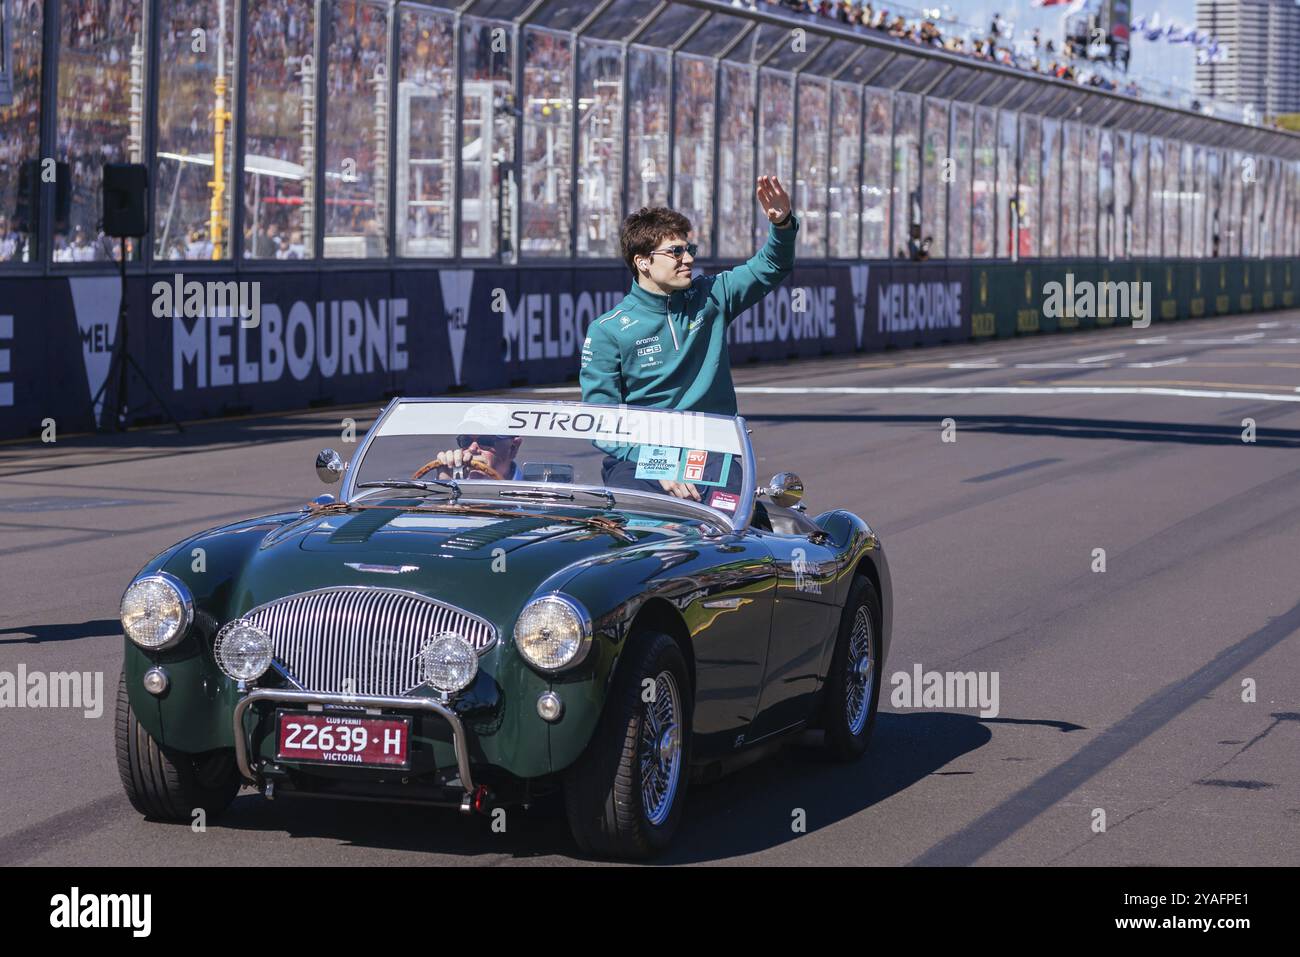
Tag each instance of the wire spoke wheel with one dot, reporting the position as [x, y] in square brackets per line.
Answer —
[625, 796]
[861, 672]
[661, 749]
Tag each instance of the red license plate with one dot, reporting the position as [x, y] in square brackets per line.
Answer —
[345, 740]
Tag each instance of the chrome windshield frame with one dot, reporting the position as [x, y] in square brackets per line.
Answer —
[736, 523]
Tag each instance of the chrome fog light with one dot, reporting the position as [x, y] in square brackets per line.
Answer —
[243, 651]
[448, 662]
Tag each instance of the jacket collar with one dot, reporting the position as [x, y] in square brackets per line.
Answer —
[654, 301]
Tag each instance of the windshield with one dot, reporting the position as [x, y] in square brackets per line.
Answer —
[532, 449]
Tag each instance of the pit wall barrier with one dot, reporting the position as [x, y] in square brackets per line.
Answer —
[351, 335]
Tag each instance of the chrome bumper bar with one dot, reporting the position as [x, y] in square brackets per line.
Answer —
[458, 740]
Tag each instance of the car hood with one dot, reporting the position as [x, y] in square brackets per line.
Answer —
[487, 564]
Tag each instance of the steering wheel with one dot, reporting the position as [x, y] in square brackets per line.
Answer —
[477, 465]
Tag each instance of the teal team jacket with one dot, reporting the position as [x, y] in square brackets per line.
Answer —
[670, 352]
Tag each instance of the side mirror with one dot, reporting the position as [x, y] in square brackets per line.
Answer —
[785, 489]
[329, 466]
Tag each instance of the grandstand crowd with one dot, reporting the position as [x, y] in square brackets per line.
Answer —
[1065, 61]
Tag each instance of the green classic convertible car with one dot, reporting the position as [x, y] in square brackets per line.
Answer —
[508, 599]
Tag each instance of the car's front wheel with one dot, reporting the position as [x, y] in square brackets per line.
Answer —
[167, 784]
[624, 796]
[853, 682]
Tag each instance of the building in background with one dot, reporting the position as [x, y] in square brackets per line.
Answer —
[1263, 69]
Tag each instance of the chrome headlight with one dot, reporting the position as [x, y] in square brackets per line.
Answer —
[553, 632]
[448, 662]
[243, 651]
[157, 610]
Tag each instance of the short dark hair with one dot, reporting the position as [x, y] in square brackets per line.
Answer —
[643, 230]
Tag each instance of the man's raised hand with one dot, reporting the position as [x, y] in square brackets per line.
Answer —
[773, 198]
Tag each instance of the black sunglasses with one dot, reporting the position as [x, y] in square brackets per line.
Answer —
[465, 441]
[678, 250]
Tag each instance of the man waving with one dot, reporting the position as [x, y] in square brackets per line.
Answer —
[665, 344]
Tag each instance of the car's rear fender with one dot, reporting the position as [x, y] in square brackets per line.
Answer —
[864, 553]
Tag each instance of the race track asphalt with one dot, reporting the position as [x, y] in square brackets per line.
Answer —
[1125, 692]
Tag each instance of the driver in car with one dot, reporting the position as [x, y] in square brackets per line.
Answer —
[665, 345]
[479, 454]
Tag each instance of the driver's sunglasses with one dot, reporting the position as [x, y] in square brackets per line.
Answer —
[465, 441]
[678, 250]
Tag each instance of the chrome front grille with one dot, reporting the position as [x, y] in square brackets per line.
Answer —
[361, 640]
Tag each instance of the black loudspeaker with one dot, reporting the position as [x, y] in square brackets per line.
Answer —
[126, 199]
[27, 211]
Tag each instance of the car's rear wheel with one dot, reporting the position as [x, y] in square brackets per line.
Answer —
[853, 683]
[624, 796]
[167, 784]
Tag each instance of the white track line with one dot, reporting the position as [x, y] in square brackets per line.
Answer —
[1238, 341]
[1101, 358]
[1013, 390]
[1179, 360]
[1053, 365]
[977, 390]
